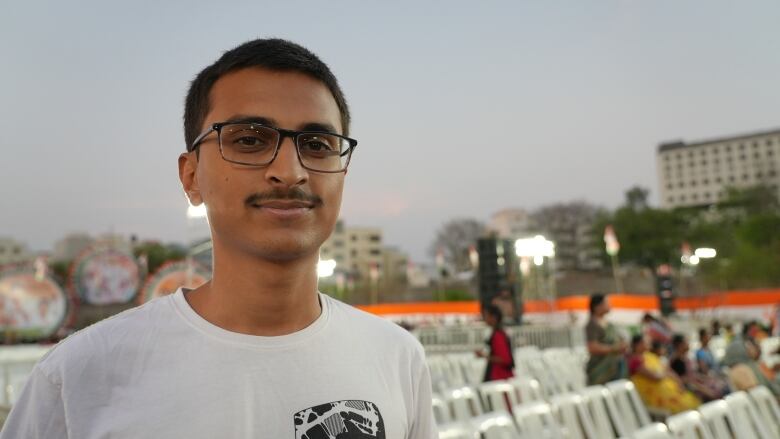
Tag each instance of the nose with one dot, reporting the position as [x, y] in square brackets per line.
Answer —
[286, 169]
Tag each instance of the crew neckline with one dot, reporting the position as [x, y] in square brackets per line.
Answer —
[280, 341]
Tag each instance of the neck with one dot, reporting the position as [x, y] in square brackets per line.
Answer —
[251, 295]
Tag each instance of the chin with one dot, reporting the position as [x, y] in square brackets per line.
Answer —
[283, 248]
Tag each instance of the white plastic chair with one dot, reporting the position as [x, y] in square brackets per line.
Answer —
[767, 407]
[495, 426]
[463, 403]
[716, 416]
[441, 412]
[688, 425]
[457, 430]
[528, 389]
[574, 415]
[596, 398]
[535, 420]
[498, 396]
[747, 422]
[630, 408]
[653, 431]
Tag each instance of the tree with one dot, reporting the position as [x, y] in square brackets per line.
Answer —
[648, 237]
[567, 225]
[454, 239]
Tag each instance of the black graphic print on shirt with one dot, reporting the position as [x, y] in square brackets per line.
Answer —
[340, 420]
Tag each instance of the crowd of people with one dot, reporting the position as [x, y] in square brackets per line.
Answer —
[667, 376]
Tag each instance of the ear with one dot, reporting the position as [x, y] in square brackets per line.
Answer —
[188, 165]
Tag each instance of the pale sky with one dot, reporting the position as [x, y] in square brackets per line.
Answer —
[461, 108]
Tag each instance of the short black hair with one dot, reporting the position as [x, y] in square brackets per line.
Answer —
[635, 340]
[271, 53]
[677, 340]
[494, 311]
[596, 299]
[703, 332]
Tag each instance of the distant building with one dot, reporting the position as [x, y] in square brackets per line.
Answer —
[355, 249]
[67, 248]
[698, 173]
[570, 227]
[394, 267]
[512, 223]
[13, 251]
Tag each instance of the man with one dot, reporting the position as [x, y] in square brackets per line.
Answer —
[256, 352]
[605, 346]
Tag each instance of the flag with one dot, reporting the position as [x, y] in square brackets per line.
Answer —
[610, 239]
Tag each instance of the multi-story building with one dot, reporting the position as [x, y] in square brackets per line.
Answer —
[512, 223]
[698, 173]
[12, 251]
[355, 250]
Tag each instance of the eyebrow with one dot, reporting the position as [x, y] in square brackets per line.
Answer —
[267, 121]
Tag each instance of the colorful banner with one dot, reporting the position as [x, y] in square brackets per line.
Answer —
[172, 276]
[103, 275]
[32, 305]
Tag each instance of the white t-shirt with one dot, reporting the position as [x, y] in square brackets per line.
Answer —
[162, 371]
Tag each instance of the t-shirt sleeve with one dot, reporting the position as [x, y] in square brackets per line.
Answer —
[423, 426]
[39, 413]
[593, 332]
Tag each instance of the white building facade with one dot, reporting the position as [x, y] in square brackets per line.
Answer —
[698, 173]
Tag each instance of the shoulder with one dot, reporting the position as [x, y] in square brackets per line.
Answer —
[371, 327]
[103, 338]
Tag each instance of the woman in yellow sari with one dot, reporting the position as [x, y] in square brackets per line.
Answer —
[658, 386]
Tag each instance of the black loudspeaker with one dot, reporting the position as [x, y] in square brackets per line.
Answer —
[665, 292]
[498, 275]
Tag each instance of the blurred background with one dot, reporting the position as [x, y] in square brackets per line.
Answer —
[519, 152]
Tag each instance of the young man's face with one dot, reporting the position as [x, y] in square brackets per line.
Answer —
[279, 228]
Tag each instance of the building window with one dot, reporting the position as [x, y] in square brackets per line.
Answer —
[759, 174]
[671, 200]
[731, 178]
[682, 198]
[715, 151]
[744, 177]
[770, 153]
[706, 195]
[669, 186]
[695, 197]
[690, 153]
[353, 238]
[755, 144]
[704, 162]
[741, 146]
[693, 183]
[703, 152]
[705, 181]
[375, 252]
[728, 148]
[742, 157]
[772, 173]
[768, 142]
[692, 164]
[338, 243]
[666, 158]
[353, 253]
[375, 238]
[756, 155]
[680, 184]
[718, 180]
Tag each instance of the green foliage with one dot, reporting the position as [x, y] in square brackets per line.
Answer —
[744, 229]
[157, 254]
[455, 296]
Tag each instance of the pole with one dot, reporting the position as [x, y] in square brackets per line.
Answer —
[615, 273]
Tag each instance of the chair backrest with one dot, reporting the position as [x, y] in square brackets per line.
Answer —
[767, 407]
[457, 430]
[630, 408]
[495, 426]
[535, 420]
[688, 425]
[441, 411]
[747, 422]
[716, 416]
[528, 389]
[653, 431]
[463, 403]
[596, 399]
[574, 415]
[498, 396]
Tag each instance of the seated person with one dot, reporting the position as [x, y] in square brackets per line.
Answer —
[657, 385]
[705, 361]
[706, 387]
[744, 351]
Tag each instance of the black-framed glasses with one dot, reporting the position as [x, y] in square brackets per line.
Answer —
[254, 144]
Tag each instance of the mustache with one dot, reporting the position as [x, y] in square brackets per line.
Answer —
[296, 194]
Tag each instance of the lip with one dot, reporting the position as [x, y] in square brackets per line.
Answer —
[285, 210]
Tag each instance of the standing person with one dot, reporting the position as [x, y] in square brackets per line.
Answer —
[500, 361]
[256, 352]
[605, 346]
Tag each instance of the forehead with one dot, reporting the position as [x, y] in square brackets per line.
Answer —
[292, 99]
